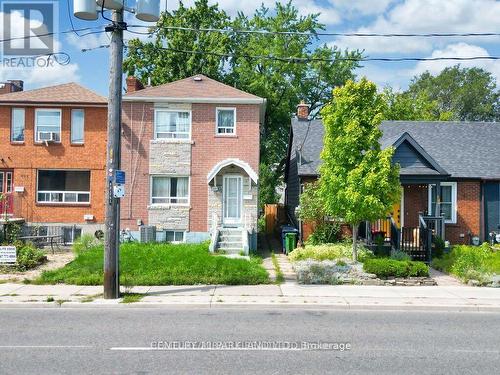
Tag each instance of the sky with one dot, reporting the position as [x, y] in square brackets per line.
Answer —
[91, 68]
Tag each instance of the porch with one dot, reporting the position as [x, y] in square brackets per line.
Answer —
[232, 206]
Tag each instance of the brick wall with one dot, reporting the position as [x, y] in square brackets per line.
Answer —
[415, 201]
[209, 149]
[26, 158]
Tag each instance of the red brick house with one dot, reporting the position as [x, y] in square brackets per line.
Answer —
[446, 167]
[52, 156]
[190, 149]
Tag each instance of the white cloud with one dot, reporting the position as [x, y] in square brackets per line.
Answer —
[356, 8]
[40, 74]
[459, 50]
[425, 16]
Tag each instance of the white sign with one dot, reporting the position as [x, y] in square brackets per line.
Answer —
[8, 255]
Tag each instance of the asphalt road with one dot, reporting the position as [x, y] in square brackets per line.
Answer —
[104, 341]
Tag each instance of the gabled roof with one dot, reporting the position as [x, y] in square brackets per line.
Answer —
[198, 88]
[460, 149]
[69, 93]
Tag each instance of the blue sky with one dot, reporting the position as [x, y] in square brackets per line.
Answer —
[383, 16]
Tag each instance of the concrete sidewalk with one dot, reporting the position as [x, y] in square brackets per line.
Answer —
[447, 298]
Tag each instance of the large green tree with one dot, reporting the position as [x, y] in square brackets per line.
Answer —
[461, 94]
[254, 62]
[358, 181]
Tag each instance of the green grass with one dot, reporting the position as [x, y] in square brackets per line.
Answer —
[160, 264]
[132, 297]
[280, 278]
[470, 262]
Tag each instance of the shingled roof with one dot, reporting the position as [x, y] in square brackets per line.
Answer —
[69, 93]
[463, 149]
[195, 88]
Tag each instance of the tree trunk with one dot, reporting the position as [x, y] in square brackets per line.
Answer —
[355, 242]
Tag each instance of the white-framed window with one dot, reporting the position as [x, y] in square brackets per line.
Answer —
[448, 201]
[77, 126]
[225, 121]
[48, 121]
[171, 124]
[169, 190]
[174, 236]
[63, 186]
[17, 125]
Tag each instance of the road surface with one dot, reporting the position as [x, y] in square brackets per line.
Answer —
[226, 341]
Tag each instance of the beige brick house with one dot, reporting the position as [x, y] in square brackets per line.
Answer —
[190, 149]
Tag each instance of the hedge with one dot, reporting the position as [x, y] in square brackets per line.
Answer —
[385, 267]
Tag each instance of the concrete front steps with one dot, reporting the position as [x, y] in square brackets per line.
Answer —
[230, 240]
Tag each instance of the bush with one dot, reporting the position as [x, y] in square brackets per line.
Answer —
[333, 251]
[400, 255]
[29, 257]
[385, 267]
[438, 247]
[325, 233]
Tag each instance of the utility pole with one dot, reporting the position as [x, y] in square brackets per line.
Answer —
[112, 218]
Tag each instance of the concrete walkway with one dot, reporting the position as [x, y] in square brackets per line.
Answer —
[447, 298]
[443, 279]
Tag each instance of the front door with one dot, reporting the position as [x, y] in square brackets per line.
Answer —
[232, 199]
[397, 210]
[6, 186]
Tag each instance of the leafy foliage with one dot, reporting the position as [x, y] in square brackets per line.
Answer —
[85, 243]
[467, 94]
[334, 251]
[284, 84]
[358, 180]
[29, 257]
[385, 267]
[325, 233]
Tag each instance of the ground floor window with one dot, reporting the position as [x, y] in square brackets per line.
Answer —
[174, 236]
[63, 186]
[448, 201]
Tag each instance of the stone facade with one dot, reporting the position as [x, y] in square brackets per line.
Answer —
[170, 157]
[169, 217]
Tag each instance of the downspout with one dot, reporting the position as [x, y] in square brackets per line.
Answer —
[482, 221]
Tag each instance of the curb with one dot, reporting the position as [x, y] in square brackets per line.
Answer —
[252, 306]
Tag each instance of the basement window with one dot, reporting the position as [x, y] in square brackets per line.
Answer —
[173, 236]
[59, 186]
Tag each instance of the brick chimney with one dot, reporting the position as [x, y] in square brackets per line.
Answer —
[303, 111]
[133, 84]
[11, 86]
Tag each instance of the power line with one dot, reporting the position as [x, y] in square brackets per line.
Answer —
[71, 19]
[57, 33]
[321, 33]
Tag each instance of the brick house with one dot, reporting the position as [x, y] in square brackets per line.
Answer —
[190, 149]
[447, 167]
[52, 157]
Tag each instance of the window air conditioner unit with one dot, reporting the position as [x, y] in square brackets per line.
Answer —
[47, 136]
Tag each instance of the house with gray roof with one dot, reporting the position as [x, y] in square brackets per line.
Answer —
[448, 169]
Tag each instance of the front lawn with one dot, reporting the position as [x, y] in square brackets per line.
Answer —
[330, 251]
[470, 262]
[160, 264]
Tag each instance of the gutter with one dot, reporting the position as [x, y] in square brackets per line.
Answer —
[165, 99]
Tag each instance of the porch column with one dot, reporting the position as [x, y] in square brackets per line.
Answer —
[438, 199]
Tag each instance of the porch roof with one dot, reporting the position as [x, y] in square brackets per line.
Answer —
[237, 162]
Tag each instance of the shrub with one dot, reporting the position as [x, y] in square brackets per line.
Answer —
[261, 224]
[400, 255]
[333, 251]
[85, 243]
[469, 258]
[438, 247]
[29, 257]
[324, 233]
[385, 267]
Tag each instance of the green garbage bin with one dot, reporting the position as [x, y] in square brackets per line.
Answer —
[290, 242]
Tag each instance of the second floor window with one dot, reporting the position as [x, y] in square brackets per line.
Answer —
[226, 121]
[169, 190]
[17, 131]
[47, 121]
[172, 124]
[77, 126]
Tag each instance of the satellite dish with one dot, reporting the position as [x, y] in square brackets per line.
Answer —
[111, 4]
[85, 9]
[148, 10]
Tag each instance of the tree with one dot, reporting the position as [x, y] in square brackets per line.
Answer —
[358, 181]
[469, 94]
[242, 60]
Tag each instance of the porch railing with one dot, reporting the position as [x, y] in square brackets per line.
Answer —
[435, 224]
